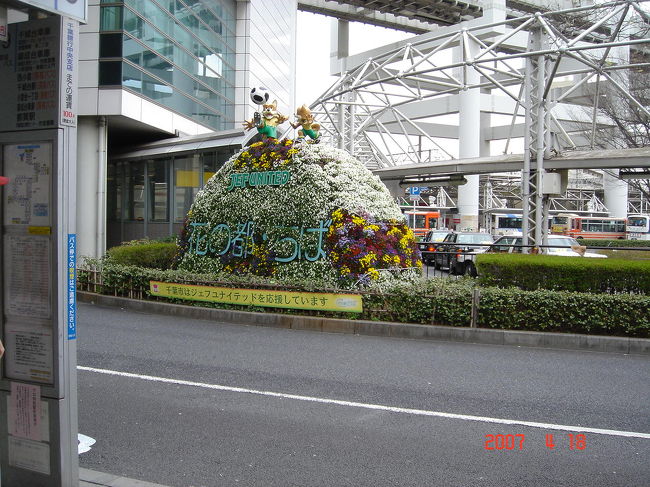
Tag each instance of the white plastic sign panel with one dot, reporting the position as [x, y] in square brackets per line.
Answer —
[27, 276]
[29, 454]
[45, 419]
[27, 199]
[25, 411]
[29, 355]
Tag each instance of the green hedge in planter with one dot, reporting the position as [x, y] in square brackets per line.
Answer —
[597, 242]
[562, 311]
[150, 254]
[437, 301]
[532, 272]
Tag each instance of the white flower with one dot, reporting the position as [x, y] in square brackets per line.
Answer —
[322, 180]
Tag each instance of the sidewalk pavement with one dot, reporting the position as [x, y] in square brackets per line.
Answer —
[91, 478]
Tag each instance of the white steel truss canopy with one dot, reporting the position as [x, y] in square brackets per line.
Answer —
[393, 106]
[604, 159]
[540, 76]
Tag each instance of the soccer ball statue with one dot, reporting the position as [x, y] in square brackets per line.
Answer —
[260, 95]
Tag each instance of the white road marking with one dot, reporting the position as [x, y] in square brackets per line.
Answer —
[379, 407]
[85, 442]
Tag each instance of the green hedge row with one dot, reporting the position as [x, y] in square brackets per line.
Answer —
[435, 301]
[532, 272]
[562, 311]
[597, 242]
[147, 253]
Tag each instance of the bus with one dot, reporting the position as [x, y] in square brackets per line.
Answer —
[638, 227]
[588, 226]
[421, 221]
[506, 224]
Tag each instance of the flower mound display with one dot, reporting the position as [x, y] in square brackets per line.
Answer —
[298, 213]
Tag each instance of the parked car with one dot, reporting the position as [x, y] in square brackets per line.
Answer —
[436, 235]
[429, 243]
[458, 250]
[563, 246]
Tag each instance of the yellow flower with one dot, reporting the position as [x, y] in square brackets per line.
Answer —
[368, 259]
[357, 221]
[374, 274]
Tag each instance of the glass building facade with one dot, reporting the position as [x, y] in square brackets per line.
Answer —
[272, 49]
[151, 197]
[155, 77]
[177, 53]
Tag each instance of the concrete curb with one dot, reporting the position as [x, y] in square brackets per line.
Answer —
[382, 328]
[92, 478]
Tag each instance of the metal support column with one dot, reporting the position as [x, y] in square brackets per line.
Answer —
[536, 139]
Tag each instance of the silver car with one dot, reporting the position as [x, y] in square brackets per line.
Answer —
[561, 245]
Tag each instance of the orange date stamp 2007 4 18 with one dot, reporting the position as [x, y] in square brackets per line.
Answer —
[516, 442]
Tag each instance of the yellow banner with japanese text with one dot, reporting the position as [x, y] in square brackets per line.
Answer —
[259, 297]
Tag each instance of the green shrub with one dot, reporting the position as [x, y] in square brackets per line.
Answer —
[149, 254]
[597, 242]
[532, 272]
[435, 301]
[561, 311]
[167, 239]
[438, 301]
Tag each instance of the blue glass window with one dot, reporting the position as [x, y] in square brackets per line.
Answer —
[178, 53]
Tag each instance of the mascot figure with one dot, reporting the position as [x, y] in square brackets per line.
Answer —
[266, 123]
[305, 119]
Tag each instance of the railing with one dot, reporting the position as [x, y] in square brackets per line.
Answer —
[91, 279]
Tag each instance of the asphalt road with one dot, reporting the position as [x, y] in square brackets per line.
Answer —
[350, 410]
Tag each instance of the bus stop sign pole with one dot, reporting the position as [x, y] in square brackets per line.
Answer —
[38, 147]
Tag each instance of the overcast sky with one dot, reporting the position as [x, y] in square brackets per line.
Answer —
[313, 51]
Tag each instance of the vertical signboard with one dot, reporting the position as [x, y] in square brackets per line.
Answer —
[68, 74]
[38, 78]
[72, 287]
[39, 75]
